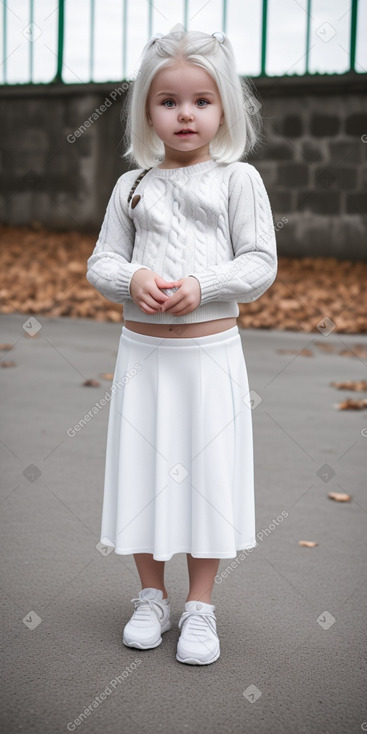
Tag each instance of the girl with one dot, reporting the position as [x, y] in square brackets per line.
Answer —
[185, 237]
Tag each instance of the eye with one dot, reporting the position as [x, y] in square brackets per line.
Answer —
[199, 100]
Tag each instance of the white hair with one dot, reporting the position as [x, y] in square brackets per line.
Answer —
[240, 131]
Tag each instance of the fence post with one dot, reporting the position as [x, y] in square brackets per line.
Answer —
[124, 39]
[353, 35]
[308, 23]
[60, 43]
[5, 52]
[263, 37]
[224, 16]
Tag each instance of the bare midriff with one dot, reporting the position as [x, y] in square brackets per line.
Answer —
[202, 328]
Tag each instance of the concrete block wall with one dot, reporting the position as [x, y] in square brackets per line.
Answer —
[62, 146]
[314, 163]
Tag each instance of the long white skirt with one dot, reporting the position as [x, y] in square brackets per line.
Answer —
[179, 473]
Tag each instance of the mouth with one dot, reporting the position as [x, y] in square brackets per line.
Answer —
[185, 133]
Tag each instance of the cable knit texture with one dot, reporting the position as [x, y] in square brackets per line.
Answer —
[211, 221]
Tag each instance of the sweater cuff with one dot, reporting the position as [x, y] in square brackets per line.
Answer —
[124, 276]
[209, 286]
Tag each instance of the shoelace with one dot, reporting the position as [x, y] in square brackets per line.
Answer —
[198, 623]
[142, 611]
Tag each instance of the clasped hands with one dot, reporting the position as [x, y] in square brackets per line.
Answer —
[146, 291]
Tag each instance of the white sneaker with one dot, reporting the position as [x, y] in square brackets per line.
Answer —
[149, 620]
[198, 643]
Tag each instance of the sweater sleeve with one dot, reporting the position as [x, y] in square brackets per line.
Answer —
[109, 268]
[255, 263]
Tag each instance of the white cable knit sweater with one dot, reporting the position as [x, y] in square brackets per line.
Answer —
[211, 221]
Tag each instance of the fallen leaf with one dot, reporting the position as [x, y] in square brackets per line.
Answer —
[44, 273]
[346, 353]
[288, 303]
[8, 364]
[91, 383]
[358, 350]
[307, 543]
[106, 375]
[304, 352]
[357, 385]
[76, 267]
[351, 404]
[113, 315]
[325, 347]
[5, 347]
[339, 496]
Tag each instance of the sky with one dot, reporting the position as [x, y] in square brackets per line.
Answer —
[329, 36]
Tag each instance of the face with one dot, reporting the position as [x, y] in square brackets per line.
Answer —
[184, 97]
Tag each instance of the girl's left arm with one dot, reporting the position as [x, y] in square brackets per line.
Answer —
[255, 265]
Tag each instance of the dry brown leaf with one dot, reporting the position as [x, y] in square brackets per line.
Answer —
[44, 272]
[358, 350]
[75, 267]
[351, 404]
[326, 347]
[304, 352]
[113, 315]
[8, 364]
[288, 303]
[91, 383]
[357, 385]
[106, 375]
[5, 347]
[307, 543]
[339, 496]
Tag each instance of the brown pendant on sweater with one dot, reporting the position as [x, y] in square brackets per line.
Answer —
[135, 201]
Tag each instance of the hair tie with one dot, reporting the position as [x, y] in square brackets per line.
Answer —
[219, 36]
[155, 38]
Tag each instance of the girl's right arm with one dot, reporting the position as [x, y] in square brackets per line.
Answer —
[109, 268]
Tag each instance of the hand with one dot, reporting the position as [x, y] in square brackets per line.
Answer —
[145, 290]
[186, 298]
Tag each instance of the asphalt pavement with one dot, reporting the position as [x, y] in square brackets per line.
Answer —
[291, 619]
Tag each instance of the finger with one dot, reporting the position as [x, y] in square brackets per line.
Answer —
[155, 295]
[147, 309]
[159, 296]
[180, 307]
[177, 311]
[150, 302]
[173, 302]
[165, 283]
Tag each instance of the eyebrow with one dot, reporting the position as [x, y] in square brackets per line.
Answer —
[173, 94]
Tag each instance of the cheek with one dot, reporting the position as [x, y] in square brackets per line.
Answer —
[157, 114]
[162, 118]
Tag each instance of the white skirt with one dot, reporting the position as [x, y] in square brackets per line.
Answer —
[179, 473]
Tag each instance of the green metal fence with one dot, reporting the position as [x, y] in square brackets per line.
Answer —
[59, 54]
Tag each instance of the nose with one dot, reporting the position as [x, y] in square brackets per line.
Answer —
[186, 113]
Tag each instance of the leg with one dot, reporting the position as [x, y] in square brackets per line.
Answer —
[151, 572]
[202, 572]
